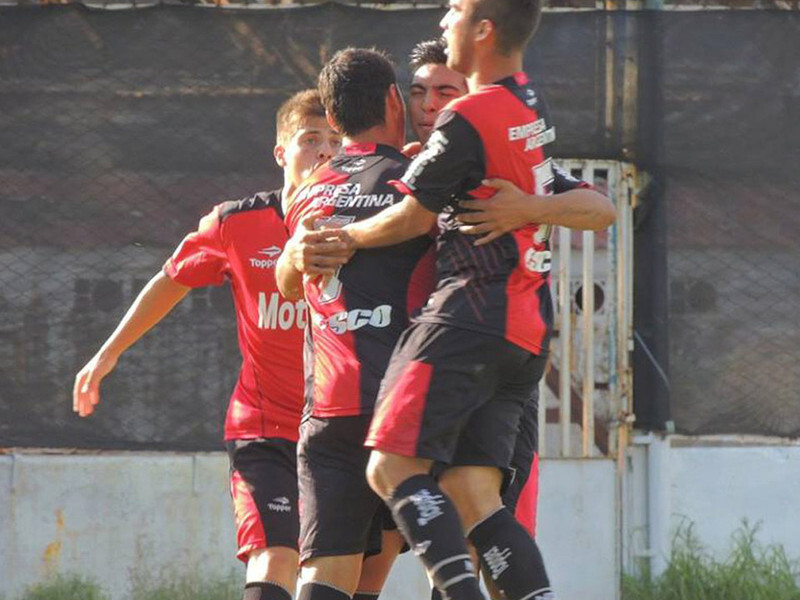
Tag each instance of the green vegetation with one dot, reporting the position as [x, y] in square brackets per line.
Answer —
[188, 588]
[75, 587]
[65, 587]
[750, 572]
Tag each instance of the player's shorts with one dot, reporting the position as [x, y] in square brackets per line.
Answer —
[339, 512]
[522, 495]
[264, 491]
[454, 396]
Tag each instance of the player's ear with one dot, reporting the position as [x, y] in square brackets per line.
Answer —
[395, 98]
[485, 30]
[279, 152]
[331, 122]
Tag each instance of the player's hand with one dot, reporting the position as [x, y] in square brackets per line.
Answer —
[509, 209]
[317, 252]
[86, 391]
[411, 149]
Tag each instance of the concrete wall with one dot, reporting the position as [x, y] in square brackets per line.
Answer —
[714, 484]
[116, 516]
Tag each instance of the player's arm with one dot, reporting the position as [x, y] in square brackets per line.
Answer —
[152, 304]
[311, 253]
[510, 208]
[451, 161]
[400, 222]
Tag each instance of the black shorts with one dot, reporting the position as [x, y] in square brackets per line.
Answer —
[264, 492]
[454, 396]
[339, 512]
[524, 451]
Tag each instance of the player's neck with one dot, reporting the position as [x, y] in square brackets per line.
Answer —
[493, 67]
[286, 194]
[380, 134]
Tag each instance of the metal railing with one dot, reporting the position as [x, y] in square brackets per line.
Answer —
[589, 383]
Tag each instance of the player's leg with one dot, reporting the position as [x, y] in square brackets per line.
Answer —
[508, 554]
[381, 553]
[336, 505]
[429, 391]
[264, 492]
[271, 574]
[521, 495]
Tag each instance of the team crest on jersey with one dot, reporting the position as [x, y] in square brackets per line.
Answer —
[531, 99]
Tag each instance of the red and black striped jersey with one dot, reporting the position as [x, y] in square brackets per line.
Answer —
[358, 315]
[501, 288]
[241, 241]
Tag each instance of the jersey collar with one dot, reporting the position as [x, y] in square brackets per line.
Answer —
[359, 149]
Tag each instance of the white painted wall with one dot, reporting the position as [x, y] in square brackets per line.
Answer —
[714, 483]
[112, 516]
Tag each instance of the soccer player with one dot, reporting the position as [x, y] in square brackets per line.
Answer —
[240, 241]
[433, 86]
[463, 372]
[357, 314]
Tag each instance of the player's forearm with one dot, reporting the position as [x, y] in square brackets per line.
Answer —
[153, 303]
[577, 209]
[403, 221]
[288, 278]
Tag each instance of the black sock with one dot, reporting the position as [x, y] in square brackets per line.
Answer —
[511, 558]
[366, 595]
[436, 594]
[321, 591]
[430, 524]
[265, 590]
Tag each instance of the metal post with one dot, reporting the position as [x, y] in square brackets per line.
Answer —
[565, 335]
[542, 418]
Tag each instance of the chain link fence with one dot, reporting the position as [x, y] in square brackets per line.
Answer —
[732, 125]
[120, 129]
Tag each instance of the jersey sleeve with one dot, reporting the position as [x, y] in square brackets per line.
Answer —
[563, 181]
[201, 258]
[451, 163]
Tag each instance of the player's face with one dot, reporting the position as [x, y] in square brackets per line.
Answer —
[432, 87]
[313, 144]
[459, 33]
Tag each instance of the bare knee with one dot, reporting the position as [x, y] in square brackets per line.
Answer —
[385, 471]
[475, 492]
[278, 565]
[341, 572]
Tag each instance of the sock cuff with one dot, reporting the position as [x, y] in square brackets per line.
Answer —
[277, 589]
[484, 520]
[328, 591]
[412, 485]
[366, 595]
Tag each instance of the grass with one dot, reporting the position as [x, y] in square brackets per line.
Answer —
[750, 572]
[188, 588]
[65, 587]
[76, 587]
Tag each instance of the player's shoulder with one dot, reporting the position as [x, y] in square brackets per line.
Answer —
[480, 100]
[249, 206]
[360, 158]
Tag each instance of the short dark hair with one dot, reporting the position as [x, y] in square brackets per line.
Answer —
[429, 52]
[353, 87]
[515, 21]
[302, 105]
